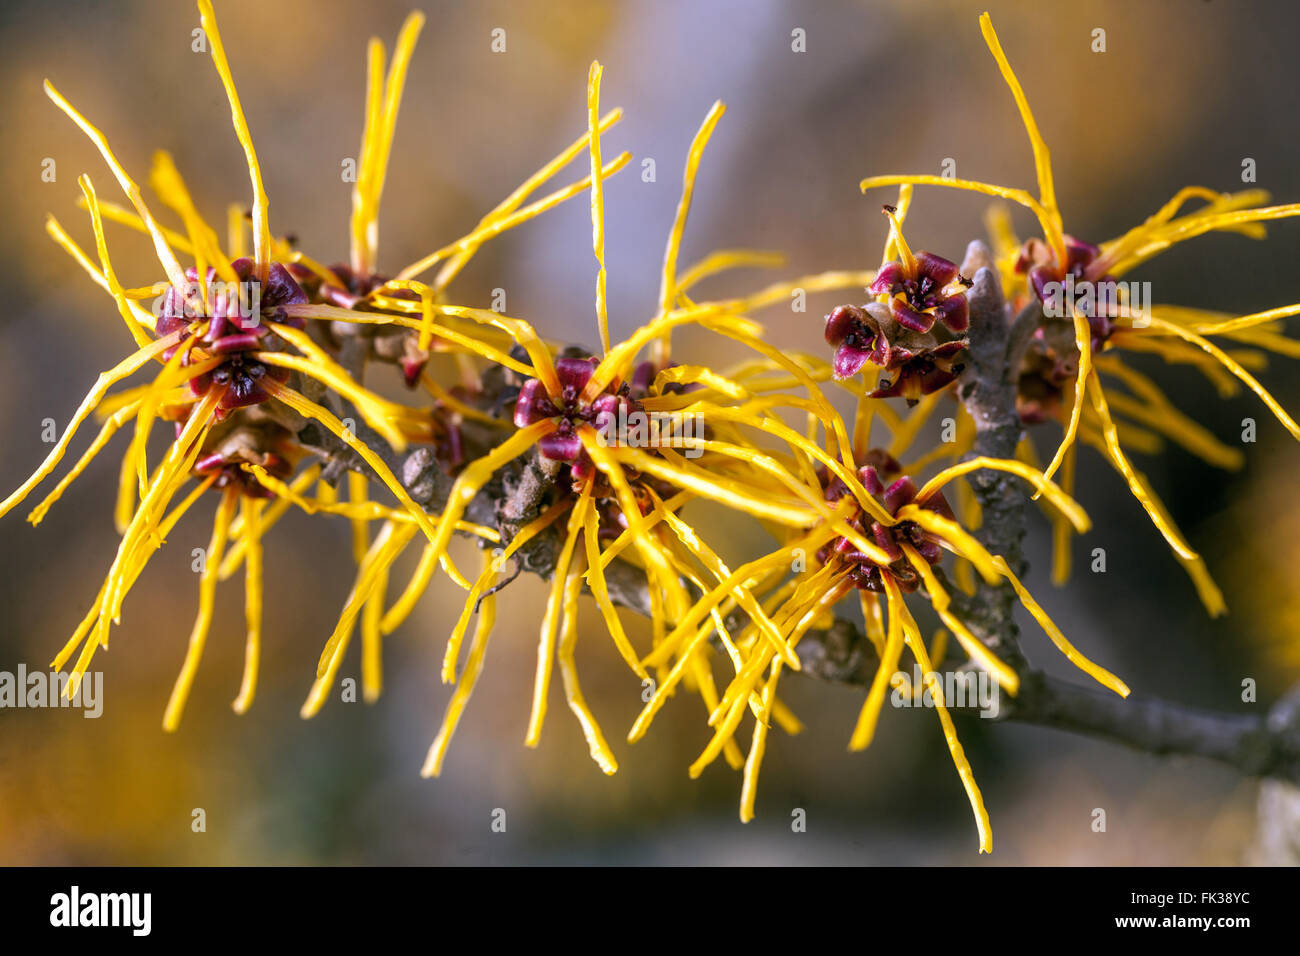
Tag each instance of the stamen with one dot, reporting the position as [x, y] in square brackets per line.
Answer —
[896, 239]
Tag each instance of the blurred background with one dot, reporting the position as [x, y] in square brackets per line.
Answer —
[1184, 92]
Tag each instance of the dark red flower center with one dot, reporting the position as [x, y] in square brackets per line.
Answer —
[865, 572]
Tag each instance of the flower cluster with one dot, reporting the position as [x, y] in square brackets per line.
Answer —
[912, 331]
[1073, 363]
[252, 356]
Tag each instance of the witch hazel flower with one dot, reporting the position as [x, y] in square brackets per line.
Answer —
[911, 330]
[264, 444]
[1051, 359]
[570, 411]
[859, 335]
[920, 362]
[242, 309]
[866, 573]
[1084, 267]
[922, 287]
[924, 291]
[239, 318]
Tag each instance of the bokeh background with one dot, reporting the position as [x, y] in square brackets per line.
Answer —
[1185, 90]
